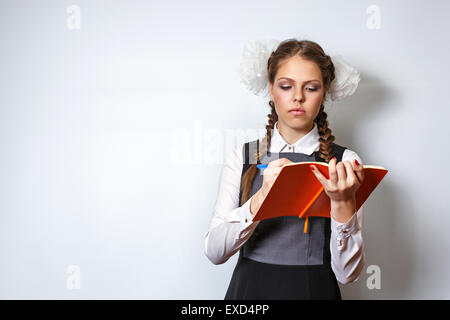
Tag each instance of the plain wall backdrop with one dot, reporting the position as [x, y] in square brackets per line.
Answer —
[115, 122]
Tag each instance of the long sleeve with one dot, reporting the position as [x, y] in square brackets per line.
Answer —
[230, 225]
[347, 244]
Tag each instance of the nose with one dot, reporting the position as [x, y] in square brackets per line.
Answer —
[299, 95]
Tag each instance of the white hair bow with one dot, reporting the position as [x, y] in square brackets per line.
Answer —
[253, 71]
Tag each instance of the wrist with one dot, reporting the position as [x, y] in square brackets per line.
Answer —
[343, 210]
[256, 202]
[343, 203]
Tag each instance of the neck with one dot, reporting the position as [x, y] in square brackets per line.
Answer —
[292, 135]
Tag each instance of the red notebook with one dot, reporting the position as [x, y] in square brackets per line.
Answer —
[297, 191]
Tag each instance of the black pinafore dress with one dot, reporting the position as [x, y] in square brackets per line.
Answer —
[279, 260]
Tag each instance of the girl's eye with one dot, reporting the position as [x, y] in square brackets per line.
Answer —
[309, 89]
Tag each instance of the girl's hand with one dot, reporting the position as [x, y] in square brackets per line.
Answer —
[270, 174]
[345, 178]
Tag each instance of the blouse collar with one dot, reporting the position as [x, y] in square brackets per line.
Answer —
[306, 144]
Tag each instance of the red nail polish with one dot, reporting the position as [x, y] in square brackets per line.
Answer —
[312, 167]
[333, 158]
[357, 163]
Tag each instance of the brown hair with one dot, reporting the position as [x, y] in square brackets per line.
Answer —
[286, 49]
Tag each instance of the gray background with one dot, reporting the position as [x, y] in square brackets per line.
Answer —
[97, 125]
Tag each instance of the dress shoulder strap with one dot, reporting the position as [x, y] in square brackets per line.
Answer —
[249, 149]
[338, 152]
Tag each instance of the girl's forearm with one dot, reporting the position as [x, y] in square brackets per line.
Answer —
[256, 202]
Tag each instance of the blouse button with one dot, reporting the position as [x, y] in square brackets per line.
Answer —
[246, 220]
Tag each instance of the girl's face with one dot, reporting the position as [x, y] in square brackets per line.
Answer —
[298, 84]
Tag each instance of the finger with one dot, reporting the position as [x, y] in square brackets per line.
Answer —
[332, 171]
[322, 179]
[340, 168]
[351, 175]
[272, 171]
[278, 162]
[276, 170]
[284, 161]
[359, 168]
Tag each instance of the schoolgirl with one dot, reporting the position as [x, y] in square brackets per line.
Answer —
[277, 259]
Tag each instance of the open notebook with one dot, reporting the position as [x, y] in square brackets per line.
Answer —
[297, 191]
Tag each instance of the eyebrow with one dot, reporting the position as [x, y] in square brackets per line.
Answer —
[294, 80]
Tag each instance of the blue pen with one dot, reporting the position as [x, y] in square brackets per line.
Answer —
[262, 166]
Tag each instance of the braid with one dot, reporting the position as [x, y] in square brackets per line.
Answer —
[326, 136]
[331, 70]
[249, 175]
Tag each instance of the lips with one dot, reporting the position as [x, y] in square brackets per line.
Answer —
[297, 109]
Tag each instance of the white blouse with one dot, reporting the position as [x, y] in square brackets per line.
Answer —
[231, 226]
